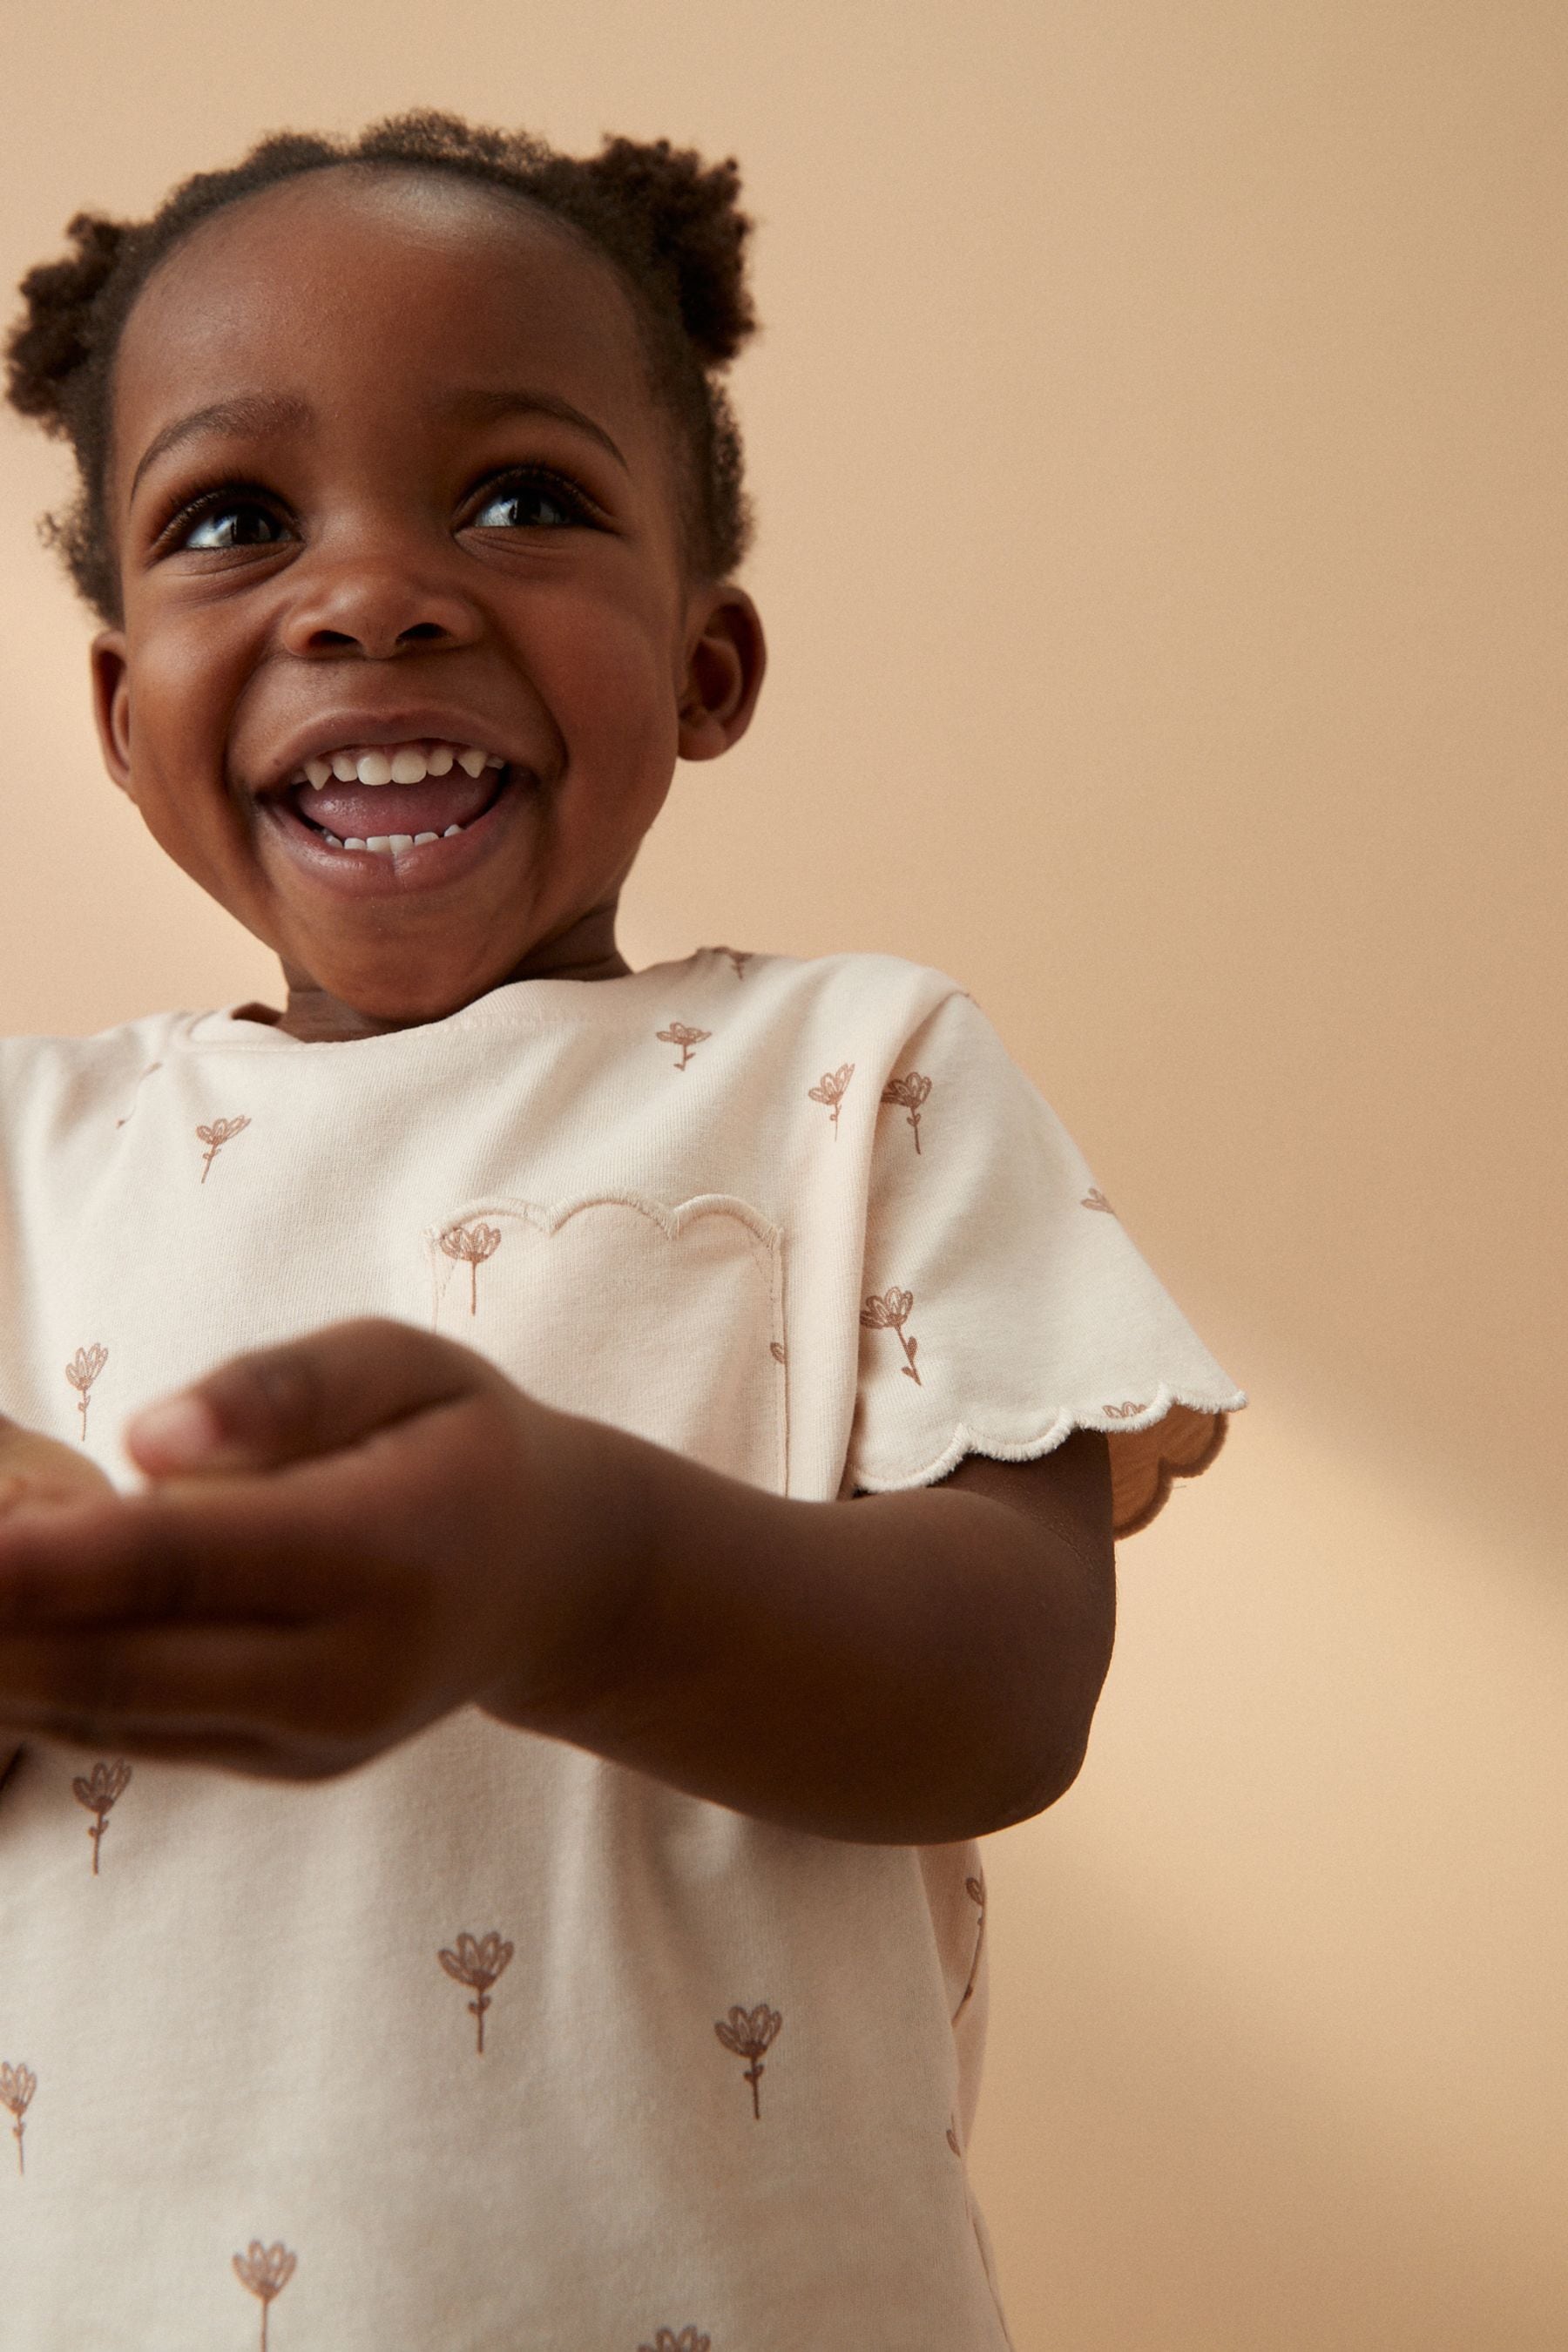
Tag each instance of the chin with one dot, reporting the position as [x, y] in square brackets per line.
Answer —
[405, 995]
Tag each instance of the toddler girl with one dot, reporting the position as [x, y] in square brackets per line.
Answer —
[605, 1480]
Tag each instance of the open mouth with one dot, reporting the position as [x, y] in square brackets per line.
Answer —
[388, 799]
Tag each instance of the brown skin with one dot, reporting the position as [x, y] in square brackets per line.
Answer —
[41, 1472]
[329, 1556]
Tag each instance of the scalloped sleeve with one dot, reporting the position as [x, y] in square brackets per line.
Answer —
[1003, 1304]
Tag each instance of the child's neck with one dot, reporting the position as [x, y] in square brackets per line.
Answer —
[312, 1012]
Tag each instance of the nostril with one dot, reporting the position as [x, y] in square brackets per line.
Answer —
[423, 633]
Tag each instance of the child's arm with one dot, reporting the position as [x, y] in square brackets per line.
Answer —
[362, 1530]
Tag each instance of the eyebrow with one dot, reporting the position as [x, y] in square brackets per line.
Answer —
[264, 412]
[487, 407]
[250, 413]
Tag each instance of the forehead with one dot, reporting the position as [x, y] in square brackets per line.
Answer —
[368, 291]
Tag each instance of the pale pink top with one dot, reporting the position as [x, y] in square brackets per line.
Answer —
[493, 2044]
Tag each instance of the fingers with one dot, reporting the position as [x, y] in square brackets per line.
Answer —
[229, 1554]
[254, 1700]
[202, 1682]
[314, 1395]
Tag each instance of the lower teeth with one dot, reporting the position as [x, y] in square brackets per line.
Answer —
[383, 845]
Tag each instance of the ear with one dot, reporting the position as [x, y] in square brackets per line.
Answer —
[111, 704]
[726, 656]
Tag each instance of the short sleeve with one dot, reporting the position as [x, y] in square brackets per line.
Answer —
[1003, 1305]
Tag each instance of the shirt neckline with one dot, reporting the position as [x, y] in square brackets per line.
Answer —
[520, 1004]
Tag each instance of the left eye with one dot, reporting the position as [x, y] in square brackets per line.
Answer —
[529, 505]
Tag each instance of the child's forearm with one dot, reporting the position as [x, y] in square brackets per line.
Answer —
[905, 1668]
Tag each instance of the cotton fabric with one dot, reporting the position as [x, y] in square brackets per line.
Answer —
[493, 2043]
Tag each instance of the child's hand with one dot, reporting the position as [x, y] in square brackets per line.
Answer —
[35, 1469]
[39, 1470]
[346, 1538]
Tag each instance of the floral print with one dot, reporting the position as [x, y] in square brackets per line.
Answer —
[910, 1094]
[17, 2085]
[1123, 1412]
[664, 2339]
[100, 1793]
[682, 1033]
[221, 1132]
[830, 1089]
[264, 2273]
[1095, 1198]
[476, 1963]
[739, 957]
[470, 1245]
[81, 1371]
[749, 2032]
[890, 1313]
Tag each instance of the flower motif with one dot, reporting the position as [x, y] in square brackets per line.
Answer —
[264, 2273]
[471, 1246]
[681, 1034]
[221, 1132]
[890, 1313]
[739, 957]
[1123, 1412]
[749, 2032]
[830, 1090]
[665, 2339]
[101, 1794]
[952, 2139]
[476, 1963]
[17, 2085]
[1095, 1198]
[909, 1093]
[81, 1371]
[776, 1351]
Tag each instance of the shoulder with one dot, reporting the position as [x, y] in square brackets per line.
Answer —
[875, 997]
[75, 1075]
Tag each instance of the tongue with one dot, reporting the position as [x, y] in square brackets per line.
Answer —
[361, 810]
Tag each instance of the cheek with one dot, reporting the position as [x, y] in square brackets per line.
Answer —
[182, 687]
[605, 672]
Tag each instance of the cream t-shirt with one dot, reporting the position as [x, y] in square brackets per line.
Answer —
[493, 2044]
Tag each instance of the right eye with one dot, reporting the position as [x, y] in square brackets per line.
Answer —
[233, 522]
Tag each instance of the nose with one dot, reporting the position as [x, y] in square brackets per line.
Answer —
[375, 602]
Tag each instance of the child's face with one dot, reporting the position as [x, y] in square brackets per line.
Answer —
[387, 472]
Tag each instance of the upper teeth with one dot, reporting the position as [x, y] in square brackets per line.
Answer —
[397, 763]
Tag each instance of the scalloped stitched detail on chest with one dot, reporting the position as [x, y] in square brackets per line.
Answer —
[661, 1317]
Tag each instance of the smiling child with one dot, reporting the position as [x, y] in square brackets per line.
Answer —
[605, 1481]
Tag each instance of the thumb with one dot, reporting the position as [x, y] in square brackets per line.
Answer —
[310, 1396]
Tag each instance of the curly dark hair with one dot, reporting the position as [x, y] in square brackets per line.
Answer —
[669, 222]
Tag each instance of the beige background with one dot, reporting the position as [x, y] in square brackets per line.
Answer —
[1159, 441]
